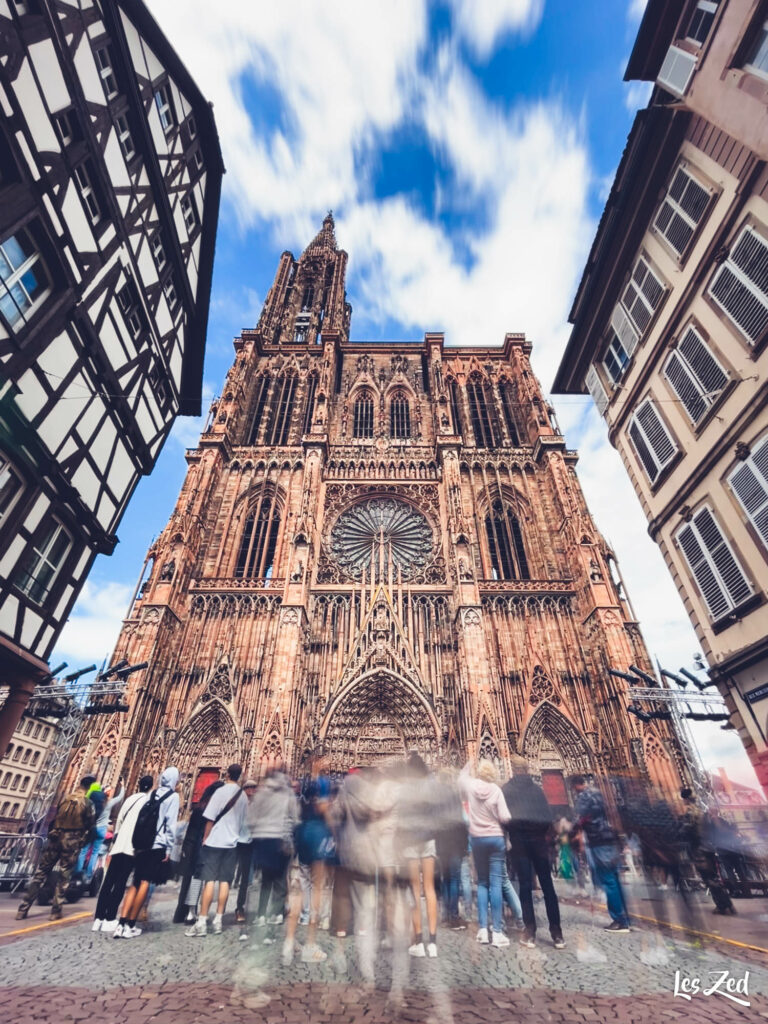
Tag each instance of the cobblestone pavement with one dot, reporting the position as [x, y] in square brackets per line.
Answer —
[72, 974]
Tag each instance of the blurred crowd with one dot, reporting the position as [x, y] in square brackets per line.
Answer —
[391, 856]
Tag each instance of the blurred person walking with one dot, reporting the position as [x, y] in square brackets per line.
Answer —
[416, 834]
[244, 855]
[104, 805]
[488, 814]
[529, 824]
[604, 848]
[271, 819]
[695, 830]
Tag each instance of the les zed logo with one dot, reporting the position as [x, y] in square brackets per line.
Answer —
[722, 985]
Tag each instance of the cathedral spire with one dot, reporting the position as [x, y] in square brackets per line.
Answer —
[326, 236]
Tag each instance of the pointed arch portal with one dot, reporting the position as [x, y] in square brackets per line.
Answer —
[378, 717]
[207, 744]
[556, 749]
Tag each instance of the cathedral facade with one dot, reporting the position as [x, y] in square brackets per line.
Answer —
[378, 547]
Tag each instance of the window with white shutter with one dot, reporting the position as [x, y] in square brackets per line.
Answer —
[749, 482]
[642, 295]
[596, 389]
[676, 71]
[720, 578]
[622, 343]
[740, 285]
[652, 441]
[696, 377]
[681, 210]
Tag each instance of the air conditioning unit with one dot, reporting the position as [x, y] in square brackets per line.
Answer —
[676, 71]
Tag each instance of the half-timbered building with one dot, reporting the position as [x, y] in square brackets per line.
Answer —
[110, 175]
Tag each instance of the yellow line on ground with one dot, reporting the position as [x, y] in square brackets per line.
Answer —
[692, 931]
[704, 935]
[46, 924]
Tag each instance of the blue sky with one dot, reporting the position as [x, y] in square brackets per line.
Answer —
[466, 148]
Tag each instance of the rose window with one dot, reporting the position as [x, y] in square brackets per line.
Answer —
[381, 529]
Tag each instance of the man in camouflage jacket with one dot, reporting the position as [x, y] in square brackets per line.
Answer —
[73, 822]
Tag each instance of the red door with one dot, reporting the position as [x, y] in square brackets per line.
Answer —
[204, 778]
[553, 784]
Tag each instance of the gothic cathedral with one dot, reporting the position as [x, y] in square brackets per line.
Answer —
[378, 547]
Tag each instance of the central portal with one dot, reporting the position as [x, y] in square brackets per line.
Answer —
[379, 717]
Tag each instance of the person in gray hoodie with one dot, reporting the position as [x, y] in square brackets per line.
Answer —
[151, 868]
[272, 816]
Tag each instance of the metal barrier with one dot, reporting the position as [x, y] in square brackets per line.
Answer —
[19, 854]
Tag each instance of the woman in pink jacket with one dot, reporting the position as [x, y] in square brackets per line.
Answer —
[488, 812]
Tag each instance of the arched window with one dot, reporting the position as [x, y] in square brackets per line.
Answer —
[279, 426]
[16, 781]
[4, 809]
[480, 407]
[255, 559]
[35, 758]
[509, 408]
[260, 401]
[505, 544]
[309, 403]
[453, 388]
[399, 416]
[363, 426]
[6, 779]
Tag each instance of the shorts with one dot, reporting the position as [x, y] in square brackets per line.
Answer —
[314, 842]
[421, 850]
[148, 867]
[218, 863]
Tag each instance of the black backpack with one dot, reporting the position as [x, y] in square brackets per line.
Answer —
[145, 830]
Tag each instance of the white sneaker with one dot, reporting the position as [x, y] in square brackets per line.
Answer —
[118, 932]
[131, 933]
[108, 926]
[287, 954]
[261, 922]
[267, 941]
[96, 926]
[216, 926]
[482, 936]
[432, 949]
[313, 955]
[200, 927]
[275, 919]
[325, 924]
[499, 940]
[417, 949]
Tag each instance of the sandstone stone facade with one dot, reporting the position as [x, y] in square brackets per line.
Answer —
[378, 547]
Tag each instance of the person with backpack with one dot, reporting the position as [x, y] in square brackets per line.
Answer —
[191, 851]
[121, 860]
[225, 818]
[153, 838]
[528, 827]
[73, 821]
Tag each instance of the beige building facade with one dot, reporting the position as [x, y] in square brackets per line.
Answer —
[670, 331]
[20, 769]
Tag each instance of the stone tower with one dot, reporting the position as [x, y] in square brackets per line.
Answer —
[377, 547]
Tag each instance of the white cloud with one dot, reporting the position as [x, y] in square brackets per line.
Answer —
[92, 629]
[483, 24]
[636, 95]
[341, 70]
[636, 9]
[187, 429]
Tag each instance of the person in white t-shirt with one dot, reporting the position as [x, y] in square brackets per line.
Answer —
[225, 819]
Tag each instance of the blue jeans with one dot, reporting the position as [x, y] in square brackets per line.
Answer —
[466, 885]
[452, 882]
[509, 895]
[488, 852]
[93, 846]
[606, 859]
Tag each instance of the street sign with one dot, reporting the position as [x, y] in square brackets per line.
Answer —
[759, 693]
